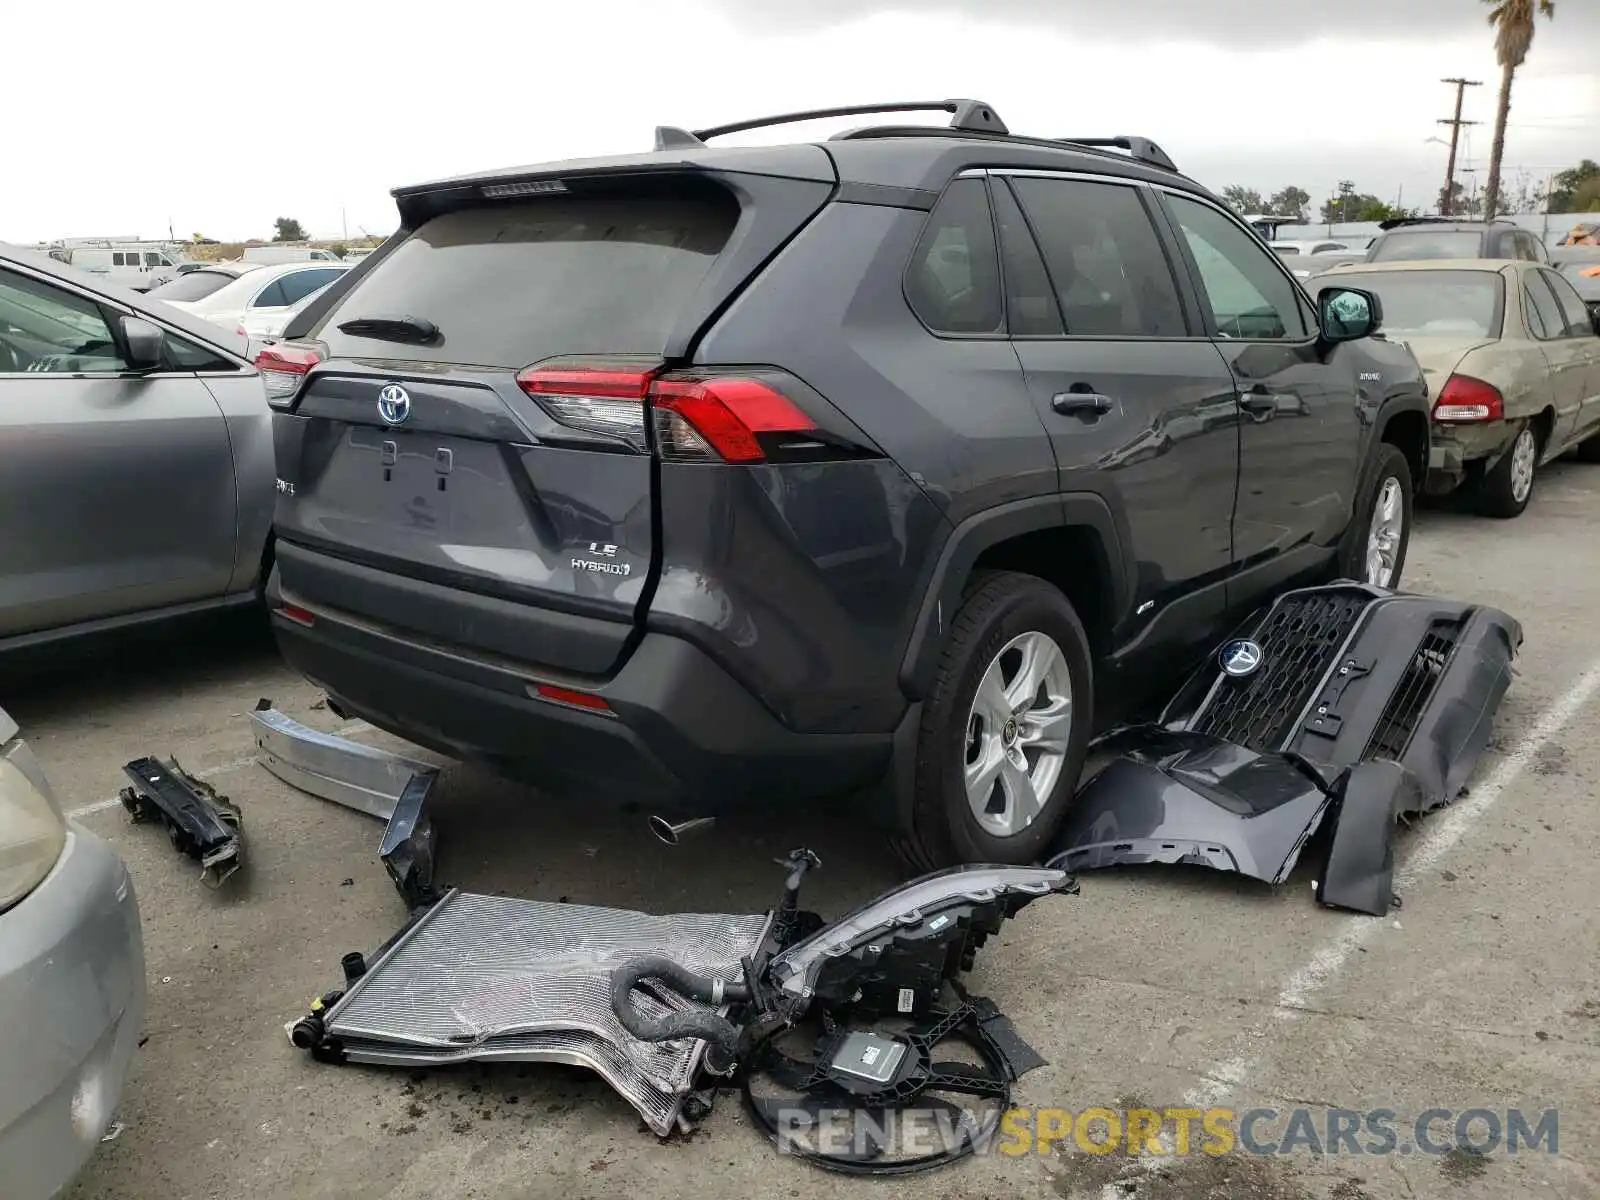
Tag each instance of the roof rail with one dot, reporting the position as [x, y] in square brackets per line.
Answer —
[973, 116]
[1140, 149]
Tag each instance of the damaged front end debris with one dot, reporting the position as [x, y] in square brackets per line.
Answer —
[1345, 704]
[201, 822]
[863, 1020]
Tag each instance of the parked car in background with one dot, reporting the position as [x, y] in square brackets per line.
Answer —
[1512, 358]
[138, 266]
[136, 472]
[702, 512]
[287, 254]
[1294, 247]
[262, 327]
[1306, 267]
[1584, 276]
[268, 290]
[72, 982]
[201, 282]
[1417, 238]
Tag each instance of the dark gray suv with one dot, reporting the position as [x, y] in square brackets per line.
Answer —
[897, 463]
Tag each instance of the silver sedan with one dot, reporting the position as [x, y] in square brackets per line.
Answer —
[135, 458]
[72, 983]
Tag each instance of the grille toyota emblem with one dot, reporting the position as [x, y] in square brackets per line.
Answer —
[394, 404]
[1240, 659]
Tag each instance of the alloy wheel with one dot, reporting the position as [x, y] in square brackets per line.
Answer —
[1524, 453]
[1017, 734]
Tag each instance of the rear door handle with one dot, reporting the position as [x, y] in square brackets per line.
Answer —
[1082, 404]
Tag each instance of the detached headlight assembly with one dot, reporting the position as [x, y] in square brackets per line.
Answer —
[32, 829]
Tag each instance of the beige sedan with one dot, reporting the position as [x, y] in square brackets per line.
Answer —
[1512, 359]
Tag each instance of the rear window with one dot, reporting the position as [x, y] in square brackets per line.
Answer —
[196, 285]
[1439, 243]
[512, 284]
[1434, 303]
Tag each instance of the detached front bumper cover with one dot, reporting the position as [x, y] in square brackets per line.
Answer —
[1365, 706]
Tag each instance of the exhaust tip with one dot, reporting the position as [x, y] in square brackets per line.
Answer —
[673, 834]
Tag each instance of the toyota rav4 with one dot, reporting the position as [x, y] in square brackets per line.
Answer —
[894, 464]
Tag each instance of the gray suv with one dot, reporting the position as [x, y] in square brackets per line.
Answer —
[896, 463]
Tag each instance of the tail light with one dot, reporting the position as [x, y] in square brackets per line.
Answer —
[698, 416]
[282, 369]
[1466, 400]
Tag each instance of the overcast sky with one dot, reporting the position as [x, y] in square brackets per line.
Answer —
[315, 110]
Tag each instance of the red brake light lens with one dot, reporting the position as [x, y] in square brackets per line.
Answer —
[1466, 400]
[282, 369]
[698, 417]
[708, 417]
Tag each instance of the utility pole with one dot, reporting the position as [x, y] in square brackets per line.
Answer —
[1447, 199]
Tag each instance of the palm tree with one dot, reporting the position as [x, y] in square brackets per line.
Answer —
[1513, 22]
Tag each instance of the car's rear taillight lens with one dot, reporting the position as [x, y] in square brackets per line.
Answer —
[283, 368]
[707, 417]
[1465, 400]
[698, 416]
[603, 398]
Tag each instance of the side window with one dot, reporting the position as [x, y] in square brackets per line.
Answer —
[1574, 312]
[270, 296]
[1248, 293]
[118, 259]
[1545, 319]
[44, 329]
[1031, 308]
[152, 259]
[185, 355]
[953, 282]
[1104, 258]
[301, 284]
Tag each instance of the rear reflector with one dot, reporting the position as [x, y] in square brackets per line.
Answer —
[300, 616]
[571, 698]
[698, 416]
[1466, 400]
[283, 368]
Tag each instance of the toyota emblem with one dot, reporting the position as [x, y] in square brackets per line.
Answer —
[1240, 659]
[394, 404]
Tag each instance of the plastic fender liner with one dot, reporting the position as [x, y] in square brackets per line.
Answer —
[1359, 873]
[1189, 798]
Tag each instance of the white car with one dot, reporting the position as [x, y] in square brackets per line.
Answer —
[264, 326]
[201, 282]
[269, 290]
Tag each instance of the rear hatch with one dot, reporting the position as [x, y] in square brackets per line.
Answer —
[463, 438]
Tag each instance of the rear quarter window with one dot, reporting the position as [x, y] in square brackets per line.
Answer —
[515, 283]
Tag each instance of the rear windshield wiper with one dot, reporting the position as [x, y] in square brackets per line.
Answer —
[417, 330]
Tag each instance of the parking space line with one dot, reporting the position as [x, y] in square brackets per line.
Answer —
[1445, 831]
[348, 729]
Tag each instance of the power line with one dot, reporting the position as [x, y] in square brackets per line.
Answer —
[1447, 197]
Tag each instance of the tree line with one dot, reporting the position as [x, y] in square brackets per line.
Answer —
[1574, 190]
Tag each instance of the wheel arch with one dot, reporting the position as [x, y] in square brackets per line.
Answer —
[1406, 427]
[1070, 541]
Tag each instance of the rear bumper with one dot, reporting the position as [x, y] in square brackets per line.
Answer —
[1454, 447]
[681, 733]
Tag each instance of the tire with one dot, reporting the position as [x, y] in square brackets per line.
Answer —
[1389, 471]
[1003, 615]
[1504, 491]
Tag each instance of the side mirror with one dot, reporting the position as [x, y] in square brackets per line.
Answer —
[144, 343]
[1348, 314]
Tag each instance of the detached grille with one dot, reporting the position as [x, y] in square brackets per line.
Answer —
[1414, 691]
[1298, 638]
